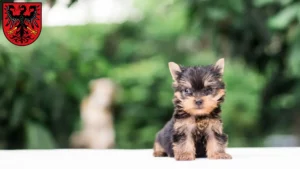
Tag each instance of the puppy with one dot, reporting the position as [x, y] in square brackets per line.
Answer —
[98, 129]
[195, 129]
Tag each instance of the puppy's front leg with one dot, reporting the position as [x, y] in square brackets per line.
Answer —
[216, 141]
[183, 142]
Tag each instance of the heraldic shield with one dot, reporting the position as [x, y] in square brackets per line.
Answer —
[22, 22]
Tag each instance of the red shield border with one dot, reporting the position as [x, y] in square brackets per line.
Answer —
[22, 22]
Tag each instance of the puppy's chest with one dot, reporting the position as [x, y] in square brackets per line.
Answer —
[201, 126]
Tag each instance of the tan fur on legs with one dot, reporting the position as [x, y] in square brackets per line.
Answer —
[159, 151]
[185, 149]
[215, 149]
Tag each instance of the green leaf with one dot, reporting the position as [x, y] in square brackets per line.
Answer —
[216, 13]
[49, 76]
[236, 5]
[260, 3]
[284, 17]
[294, 59]
[17, 112]
[285, 2]
[38, 137]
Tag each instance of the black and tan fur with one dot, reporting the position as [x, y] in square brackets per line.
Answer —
[195, 129]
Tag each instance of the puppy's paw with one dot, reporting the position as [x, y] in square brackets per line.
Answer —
[216, 156]
[159, 154]
[185, 157]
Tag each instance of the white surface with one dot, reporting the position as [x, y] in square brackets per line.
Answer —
[243, 158]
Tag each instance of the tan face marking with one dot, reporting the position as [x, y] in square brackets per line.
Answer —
[209, 103]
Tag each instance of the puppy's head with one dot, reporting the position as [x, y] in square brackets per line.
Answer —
[198, 89]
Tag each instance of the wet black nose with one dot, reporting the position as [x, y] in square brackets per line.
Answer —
[198, 102]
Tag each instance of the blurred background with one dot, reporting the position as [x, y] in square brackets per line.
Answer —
[130, 42]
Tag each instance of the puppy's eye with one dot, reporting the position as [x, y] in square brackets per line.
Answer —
[188, 91]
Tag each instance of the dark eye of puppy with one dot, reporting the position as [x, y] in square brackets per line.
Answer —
[208, 90]
[188, 92]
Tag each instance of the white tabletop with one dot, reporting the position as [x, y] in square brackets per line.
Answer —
[243, 158]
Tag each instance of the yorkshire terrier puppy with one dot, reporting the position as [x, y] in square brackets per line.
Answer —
[195, 129]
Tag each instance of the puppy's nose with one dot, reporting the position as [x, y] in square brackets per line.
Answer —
[198, 102]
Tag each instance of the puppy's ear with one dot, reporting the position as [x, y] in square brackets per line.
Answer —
[219, 66]
[174, 70]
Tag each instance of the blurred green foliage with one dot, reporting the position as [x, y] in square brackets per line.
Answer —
[265, 34]
[41, 85]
